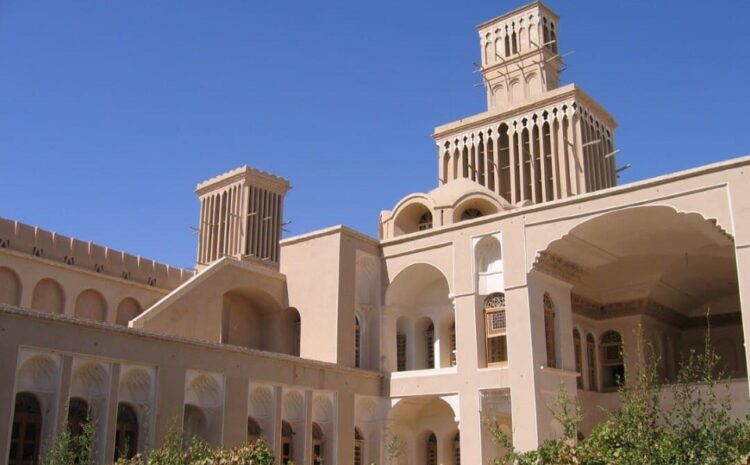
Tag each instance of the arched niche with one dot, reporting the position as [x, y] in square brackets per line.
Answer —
[48, 296]
[10, 287]
[413, 216]
[91, 305]
[488, 256]
[127, 310]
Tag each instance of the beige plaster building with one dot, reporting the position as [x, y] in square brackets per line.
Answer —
[526, 268]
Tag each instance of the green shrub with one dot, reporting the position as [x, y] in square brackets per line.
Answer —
[696, 430]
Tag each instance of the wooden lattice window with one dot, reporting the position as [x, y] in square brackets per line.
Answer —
[611, 348]
[401, 352]
[431, 450]
[78, 415]
[613, 367]
[453, 344]
[470, 214]
[25, 435]
[457, 449]
[253, 430]
[359, 446]
[579, 361]
[357, 342]
[429, 341]
[495, 329]
[287, 435]
[425, 221]
[126, 436]
[591, 361]
[317, 443]
[549, 331]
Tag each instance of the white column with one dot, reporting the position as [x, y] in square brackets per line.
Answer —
[344, 429]
[8, 360]
[274, 423]
[512, 167]
[108, 424]
[307, 448]
[553, 153]
[496, 160]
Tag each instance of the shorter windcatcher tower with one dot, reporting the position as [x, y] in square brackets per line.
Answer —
[241, 216]
[537, 141]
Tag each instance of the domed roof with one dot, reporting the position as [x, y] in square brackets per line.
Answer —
[451, 193]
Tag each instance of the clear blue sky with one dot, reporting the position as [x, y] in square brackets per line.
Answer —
[112, 110]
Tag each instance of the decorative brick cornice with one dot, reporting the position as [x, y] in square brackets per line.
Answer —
[558, 267]
[648, 307]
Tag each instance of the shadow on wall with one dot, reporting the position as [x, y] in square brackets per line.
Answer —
[252, 318]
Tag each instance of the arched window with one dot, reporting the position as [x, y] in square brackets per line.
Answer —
[591, 361]
[549, 331]
[253, 430]
[296, 343]
[457, 449]
[287, 435]
[126, 436]
[425, 221]
[470, 214]
[194, 423]
[359, 446]
[613, 366]
[317, 444]
[431, 450]
[27, 426]
[507, 43]
[579, 361]
[495, 329]
[78, 415]
[400, 352]
[429, 343]
[453, 344]
[553, 37]
[357, 342]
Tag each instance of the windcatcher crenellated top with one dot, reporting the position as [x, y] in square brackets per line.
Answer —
[537, 141]
[241, 216]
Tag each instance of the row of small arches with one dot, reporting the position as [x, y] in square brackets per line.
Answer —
[48, 296]
[509, 40]
[28, 421]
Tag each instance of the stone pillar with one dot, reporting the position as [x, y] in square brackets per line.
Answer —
[512, 155]
[61, 414]
[344, 428]
[307, 447]
[470, 424]
[8, 359]
[274, 424]
[496, 163]
[521, 156]
[560, 153]
[170, 401]
[543, 165]
[108, 427]
[533, 174]
[575, 137]
[235, 413]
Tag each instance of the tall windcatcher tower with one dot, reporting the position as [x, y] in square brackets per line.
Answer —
[241, 216]
[537, 141]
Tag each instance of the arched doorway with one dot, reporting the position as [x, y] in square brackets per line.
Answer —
[27, 426]
[287, 442]
[126, 435]
[253, 430]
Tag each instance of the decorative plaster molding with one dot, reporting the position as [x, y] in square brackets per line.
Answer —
[558, 267]
[648, 307]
